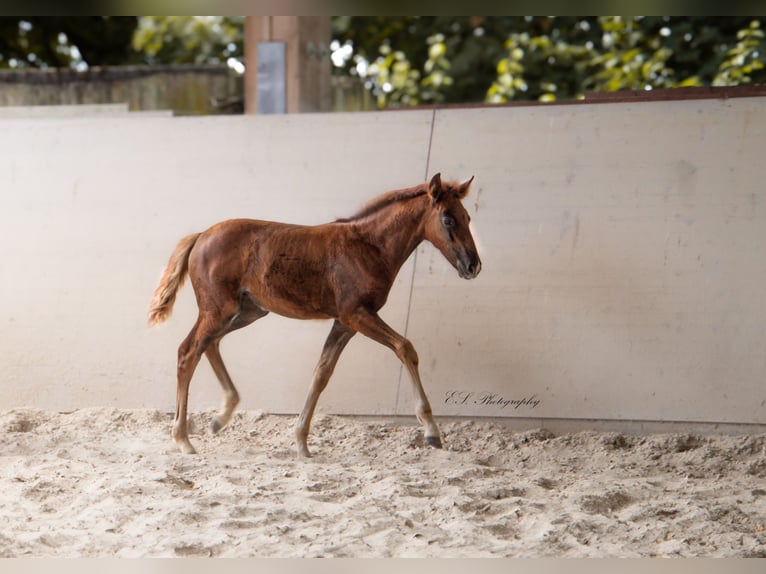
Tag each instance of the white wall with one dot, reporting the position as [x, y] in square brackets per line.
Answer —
[623, 256]
[93, 208]
[621, 246]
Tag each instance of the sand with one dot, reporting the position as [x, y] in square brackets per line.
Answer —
[109, 483]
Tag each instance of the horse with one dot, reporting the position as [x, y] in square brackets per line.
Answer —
[243, 269]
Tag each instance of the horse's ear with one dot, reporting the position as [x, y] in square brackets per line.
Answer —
[464, 187]
[435, 189]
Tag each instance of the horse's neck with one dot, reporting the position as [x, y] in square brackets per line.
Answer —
[397, 231]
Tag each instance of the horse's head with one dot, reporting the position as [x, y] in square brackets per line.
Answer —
[447, 226]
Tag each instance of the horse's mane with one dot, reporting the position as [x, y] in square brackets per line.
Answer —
[384, 200]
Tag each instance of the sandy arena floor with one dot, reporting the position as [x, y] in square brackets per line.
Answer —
[109, 483]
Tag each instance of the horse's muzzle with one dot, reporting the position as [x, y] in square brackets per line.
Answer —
[471, 268]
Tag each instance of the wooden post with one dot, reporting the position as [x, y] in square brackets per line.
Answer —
[308, 66]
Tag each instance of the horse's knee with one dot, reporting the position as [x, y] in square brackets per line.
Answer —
[185, 352]
[191, 351]
[406, 352]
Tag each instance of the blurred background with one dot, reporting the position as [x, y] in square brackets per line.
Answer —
[220, 64]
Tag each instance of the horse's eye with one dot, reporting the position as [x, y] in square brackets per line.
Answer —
[448, 221]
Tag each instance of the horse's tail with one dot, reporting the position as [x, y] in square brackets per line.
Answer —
[172, 280]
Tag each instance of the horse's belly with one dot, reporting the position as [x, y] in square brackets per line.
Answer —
[296, 300]
[292, 310]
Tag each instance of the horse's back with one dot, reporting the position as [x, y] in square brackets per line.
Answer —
[240, 235]
[282, 266]
[223, 252]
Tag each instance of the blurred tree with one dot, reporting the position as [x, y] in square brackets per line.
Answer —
[414, 60]
[422, 59]
[744, 61]
[79, 42]
[190, 39]
[410, 60]
[66, 41]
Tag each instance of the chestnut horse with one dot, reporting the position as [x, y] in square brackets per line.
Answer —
[241, 269]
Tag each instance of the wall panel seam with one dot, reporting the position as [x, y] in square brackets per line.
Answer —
[414, 270]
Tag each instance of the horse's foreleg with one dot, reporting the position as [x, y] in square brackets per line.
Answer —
[371, 325]
[336, 341]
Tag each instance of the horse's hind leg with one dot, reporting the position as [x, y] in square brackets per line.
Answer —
[213, 354]
[207, 332]
[189, 354]
[230, 394]
[336, 341]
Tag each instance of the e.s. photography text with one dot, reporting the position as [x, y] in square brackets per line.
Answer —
[490, 400]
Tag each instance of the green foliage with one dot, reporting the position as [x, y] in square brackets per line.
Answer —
[437, 69]
[79, 42]
[66, 41]
[393, 77]
[410, 60]
[538, 68]
[455, 59]
[745, 60]
[189, 39]
[631, 58]
[395, 80]
[446, 58]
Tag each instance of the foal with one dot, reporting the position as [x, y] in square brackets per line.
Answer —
[242, 269]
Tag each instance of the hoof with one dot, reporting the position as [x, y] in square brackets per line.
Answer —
[303, 453]
[215, 426]
[434, 441]
[183, 444]
[187, 448]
